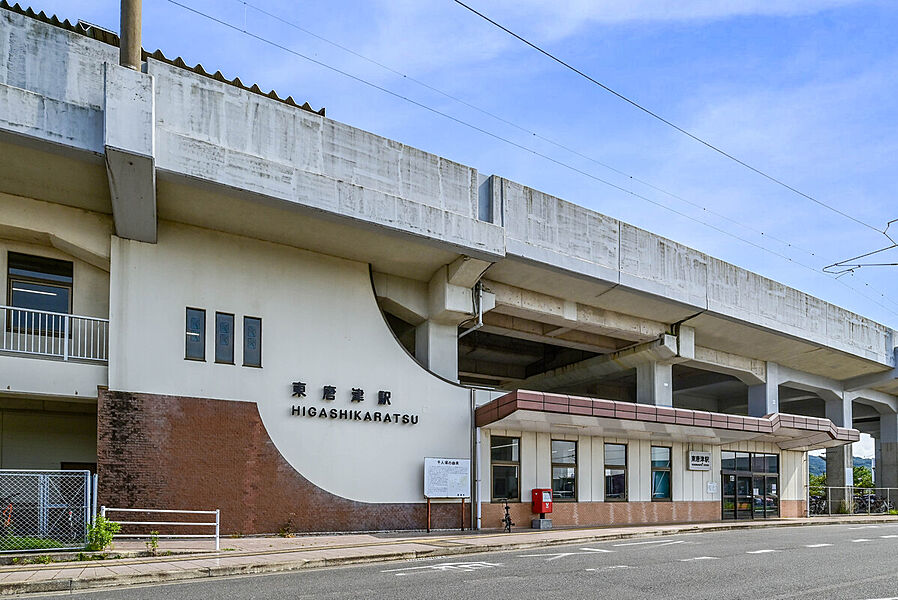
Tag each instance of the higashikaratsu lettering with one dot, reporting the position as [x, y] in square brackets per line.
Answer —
[353, 415]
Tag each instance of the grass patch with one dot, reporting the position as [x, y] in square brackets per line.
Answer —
[15, 542]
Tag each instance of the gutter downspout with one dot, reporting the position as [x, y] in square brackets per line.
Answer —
[479, 288]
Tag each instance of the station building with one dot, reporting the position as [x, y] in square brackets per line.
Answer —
[221, 298]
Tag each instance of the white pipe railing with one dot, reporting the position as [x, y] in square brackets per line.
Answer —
[42, 333]
[216, 524]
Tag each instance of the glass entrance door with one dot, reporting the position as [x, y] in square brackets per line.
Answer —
[744, 498]
[750, 485]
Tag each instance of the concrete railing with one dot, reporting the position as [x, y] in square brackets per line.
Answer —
[58, 335]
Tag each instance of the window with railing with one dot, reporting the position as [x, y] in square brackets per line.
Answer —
[37, 319]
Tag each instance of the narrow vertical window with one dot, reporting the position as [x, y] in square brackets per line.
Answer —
[224, 338]
[505, 456]
[252, 342]
[195, 344]
[660, 473]
[616, 472]
[564, 470]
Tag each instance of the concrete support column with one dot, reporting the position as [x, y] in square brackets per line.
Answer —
[839, 460]
[764, 398]
[654, 383]
[436, 348]
[887, 457]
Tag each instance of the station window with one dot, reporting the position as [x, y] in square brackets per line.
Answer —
[224, 338]
[38, 284]
[564, 470]
[616, 472]
[660, 473]
[505, 458]
[195, 343]
[252, 342]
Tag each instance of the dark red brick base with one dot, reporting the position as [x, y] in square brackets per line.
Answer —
[605, 513]
[194, 453]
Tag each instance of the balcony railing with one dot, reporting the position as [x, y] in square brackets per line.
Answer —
[41, 333]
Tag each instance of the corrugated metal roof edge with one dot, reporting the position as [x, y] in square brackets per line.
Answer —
[107, 37]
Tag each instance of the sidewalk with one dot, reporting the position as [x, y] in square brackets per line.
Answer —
[241, 556]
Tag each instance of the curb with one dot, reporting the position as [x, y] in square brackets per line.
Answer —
[78, 583]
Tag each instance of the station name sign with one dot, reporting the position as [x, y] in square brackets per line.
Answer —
[331, 395]
[699, 461]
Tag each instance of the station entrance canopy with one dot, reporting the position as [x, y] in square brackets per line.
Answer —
[524, 410]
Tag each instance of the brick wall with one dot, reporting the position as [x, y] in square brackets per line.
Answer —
[194, 453]
[605, 513]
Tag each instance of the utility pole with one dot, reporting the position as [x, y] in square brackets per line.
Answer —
[129, 45]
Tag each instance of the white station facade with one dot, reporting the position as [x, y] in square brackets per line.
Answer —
[219, 298]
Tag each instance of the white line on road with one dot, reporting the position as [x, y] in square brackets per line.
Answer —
[612, 567]
[761, 551]
[643, 543]
[818, 545]
[457, 566]
[557, 555]
[698, 558]
[860, 540]
[889, 536]
[866, 527]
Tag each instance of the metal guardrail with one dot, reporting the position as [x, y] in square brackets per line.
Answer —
[834, 500]
[44, 510]
[216, 524]
[42, 333]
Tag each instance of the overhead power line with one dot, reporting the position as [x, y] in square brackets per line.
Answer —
[655, 115]
[495, 136]
[850, 265]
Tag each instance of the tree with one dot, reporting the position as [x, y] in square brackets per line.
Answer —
[863, 477]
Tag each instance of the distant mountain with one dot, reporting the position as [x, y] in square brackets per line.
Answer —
[817, 464]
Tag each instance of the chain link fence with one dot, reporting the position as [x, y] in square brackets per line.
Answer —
[44, 510]
[850, 500]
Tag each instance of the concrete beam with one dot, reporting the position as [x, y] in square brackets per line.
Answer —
[763, 398]
[588, 371]
[654, 383]
[865, 381]
[828, 389]
[129, 142]
[749, 371]
[519, 302]
[536, 331]
[403, 297]
[465, 271]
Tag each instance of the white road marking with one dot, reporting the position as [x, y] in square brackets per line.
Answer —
[698, 558]
[817, 545]
[557, 555]
[860, 540]
[761, 551]
[866, 527]
[464, 567]
[612, 567]
[889, 536]
[643, 543]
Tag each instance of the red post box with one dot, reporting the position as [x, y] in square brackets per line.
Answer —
[541, 501]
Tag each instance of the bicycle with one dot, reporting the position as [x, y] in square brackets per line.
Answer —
[506, 520]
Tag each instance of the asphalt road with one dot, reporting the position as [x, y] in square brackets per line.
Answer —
[853, 562]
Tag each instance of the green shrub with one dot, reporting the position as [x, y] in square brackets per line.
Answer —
[99, 534]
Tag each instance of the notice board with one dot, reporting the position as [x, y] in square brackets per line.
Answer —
[447, 478]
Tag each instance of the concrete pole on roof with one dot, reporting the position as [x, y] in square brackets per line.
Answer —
[129, 38]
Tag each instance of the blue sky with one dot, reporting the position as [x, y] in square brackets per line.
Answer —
[802, 89]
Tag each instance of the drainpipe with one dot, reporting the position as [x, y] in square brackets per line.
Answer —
[479, 288]
[129, 44]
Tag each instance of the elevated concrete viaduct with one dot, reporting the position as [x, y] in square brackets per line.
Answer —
[548, 295]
